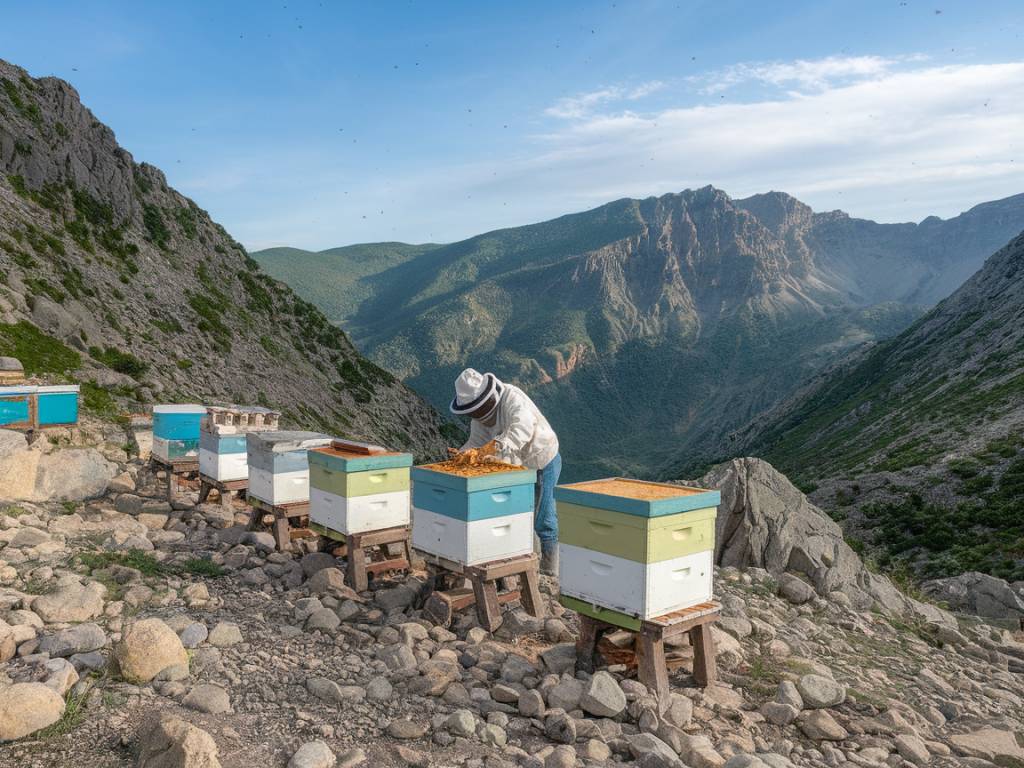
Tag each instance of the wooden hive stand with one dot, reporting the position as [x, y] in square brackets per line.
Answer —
[443, 599]
[179, 473]
[649, 645]
[368, 554]
[287, 522]
[224, 489]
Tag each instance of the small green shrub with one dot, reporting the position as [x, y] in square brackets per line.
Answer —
[38, 352]
[122, 362]
[155, 226]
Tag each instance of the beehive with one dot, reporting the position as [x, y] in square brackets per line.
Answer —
[17, 406]
[354, 492]
[57, 405]
[176, 431]
[475, 519]
[222, 442]
[637, 548]
[279, 465]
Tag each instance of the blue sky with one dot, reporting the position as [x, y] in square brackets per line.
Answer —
[318, 124]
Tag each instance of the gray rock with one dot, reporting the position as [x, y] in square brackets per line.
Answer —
[531, 704]
[795, 590]
[912, 748]
[211, 699]
[492, 735]
[602, 696]
[194, 635]
[778, 713]
[645, 744]
[819, 725]
[788, 694]
[819, 692]
[323, 619]
[317, 561]
[379, 689]
[560, 659]
[560, 727]
[566, 694]
[561, 757]
[78, 639]
[167, 741]
[94, 661]
[515, 668]
[401, 728]
[399, 597]
[313, 754]
[330, 691]
[72, 602]
[977, 593]
[461, 723]
[224, 635]
[397, 657]
[147, 649]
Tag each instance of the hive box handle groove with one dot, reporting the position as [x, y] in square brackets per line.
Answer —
[601, 569]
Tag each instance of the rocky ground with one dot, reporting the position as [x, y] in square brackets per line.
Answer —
[139, 633]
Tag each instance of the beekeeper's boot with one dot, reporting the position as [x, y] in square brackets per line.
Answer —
[549, 558]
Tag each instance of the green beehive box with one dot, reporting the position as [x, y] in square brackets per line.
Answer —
[641, 539]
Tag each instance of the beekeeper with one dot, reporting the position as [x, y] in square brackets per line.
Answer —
[504, 414]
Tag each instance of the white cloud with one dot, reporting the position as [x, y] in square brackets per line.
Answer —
[583, 104]
[895, 142]
[816, 74]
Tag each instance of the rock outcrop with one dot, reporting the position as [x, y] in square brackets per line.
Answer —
[37, 472]
[167, 741]
[765, 521]
[977, 593]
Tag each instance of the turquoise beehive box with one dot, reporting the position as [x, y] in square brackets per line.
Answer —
[57, 405]
[17, 405]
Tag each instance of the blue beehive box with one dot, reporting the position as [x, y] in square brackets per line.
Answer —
[472, 520]
[176, 431]
[57, 405]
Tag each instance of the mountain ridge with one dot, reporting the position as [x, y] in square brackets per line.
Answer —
[692, 283]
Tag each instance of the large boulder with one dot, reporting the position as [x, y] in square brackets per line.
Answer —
[166, 741]
[26, 708]
[72, 601]
[69, 474]
[148, 648]
[764, 521]
[977, 593]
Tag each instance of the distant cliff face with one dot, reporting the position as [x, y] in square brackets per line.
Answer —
[920, 440]
[649, 329]
[113, 277]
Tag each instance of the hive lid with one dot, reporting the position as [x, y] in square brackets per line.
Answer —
[637, 497]
[186, 408]
[58, 389]
[284, 441]
[18, 389]
[347, 461]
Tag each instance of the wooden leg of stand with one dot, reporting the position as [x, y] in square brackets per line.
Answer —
[705, 670]
[282, 533]
[529, 586]
[652, 669]
[357, 577]
[487, 607]
[586, 644]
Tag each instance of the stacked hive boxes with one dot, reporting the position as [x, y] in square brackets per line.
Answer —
[176, 431]
[279, 465]
[354, 492]
[222, 443]
[633, 550]
[57, 405]
[475, 519]
[28, 406]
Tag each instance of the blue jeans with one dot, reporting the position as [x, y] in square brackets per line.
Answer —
[545, 518]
